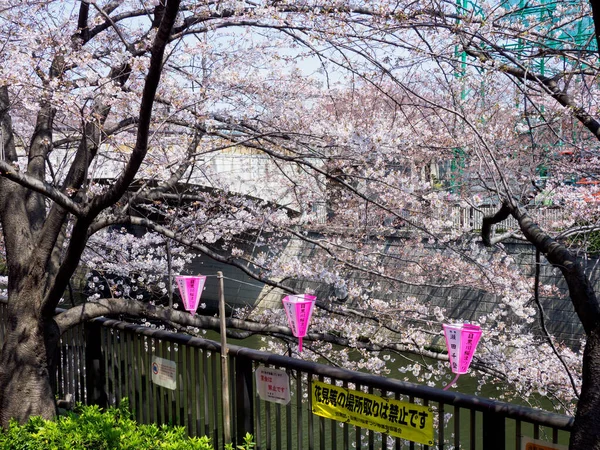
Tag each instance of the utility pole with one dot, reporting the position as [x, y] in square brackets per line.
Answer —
[224, 366]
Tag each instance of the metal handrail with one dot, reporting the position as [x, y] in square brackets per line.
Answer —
[508, 410]
[105, 360]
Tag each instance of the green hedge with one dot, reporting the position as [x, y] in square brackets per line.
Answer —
[91, 428]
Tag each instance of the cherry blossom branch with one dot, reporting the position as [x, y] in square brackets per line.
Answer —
[230, 260]
[350, 265]
[581, 290]
[117, 306]
[10, 172]
[536, 296]
[122, 183]
[140, 149]
[549, 84]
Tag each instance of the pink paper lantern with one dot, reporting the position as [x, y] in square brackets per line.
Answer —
[461, 341]
[190, 288]
[298, 309]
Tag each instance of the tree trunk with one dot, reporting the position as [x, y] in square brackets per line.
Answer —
[586, 432]
[25, 365]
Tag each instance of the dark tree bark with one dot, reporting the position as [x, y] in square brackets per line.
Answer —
[26, 363]
[38, 268]
[586, 432]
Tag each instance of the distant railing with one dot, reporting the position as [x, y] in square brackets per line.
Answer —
[456, 218]
[106, 360]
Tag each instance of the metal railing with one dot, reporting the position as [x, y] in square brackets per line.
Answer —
[455, 218]
[107, 360]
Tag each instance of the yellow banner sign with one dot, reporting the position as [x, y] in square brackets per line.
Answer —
[400, 419]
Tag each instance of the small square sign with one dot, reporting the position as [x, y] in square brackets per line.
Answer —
[273, 385]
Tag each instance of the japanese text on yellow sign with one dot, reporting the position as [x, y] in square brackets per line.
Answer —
[400, 419]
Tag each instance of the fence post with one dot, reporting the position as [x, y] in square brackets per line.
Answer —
[244, 398]
[95, 384]
[494, 431]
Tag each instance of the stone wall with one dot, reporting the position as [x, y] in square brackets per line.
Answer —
[459, 302]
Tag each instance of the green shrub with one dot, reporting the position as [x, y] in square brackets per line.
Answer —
[90, 428]
[248, 444]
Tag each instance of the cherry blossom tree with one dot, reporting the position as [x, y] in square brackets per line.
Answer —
[114, 115]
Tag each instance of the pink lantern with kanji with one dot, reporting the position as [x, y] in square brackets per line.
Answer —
[190, 288]
[461, 341]
[298, 309]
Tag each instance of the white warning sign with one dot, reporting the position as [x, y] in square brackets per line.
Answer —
[164, 372]
[273, 385]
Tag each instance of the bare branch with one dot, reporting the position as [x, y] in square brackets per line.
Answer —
[116, 306]
[10, 172]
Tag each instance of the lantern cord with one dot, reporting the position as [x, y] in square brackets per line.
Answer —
[452, 382]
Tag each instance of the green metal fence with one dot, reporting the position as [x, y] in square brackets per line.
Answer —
[107, 360]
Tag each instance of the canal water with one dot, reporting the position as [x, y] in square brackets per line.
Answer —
[466, 384]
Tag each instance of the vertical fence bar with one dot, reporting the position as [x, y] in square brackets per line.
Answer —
[108, 363]
[441, 427]
[124, 364]
[116, 364]
[135, 373]
[69, 361]
[165, 404]
[198, 358]
[215, 405]
[398, 441]
[411, 444]
[321, 425]
[494, 431]
[426, 403]
[357, 430]
[95, 365]
[66, 363]
[159, 391]
[371, 433]
[193, 387]
[244, 396]
[105, 333]
[384, 436]
[259, 420]
[472, 437]
[456, 427]
[278, 423]
[311, 422]
[81, 391]
[288, 419]
[129, 368]
[186, 389]
[333, 425]
[151, 398]
[299, 428]
[144, 378]
[167, 393]
[58, 381]
[346, 427]
[179, 417]
[2, 323]
[268, 421]
[205, 391]
[131, 372]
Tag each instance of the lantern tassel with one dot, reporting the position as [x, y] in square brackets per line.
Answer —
[452, 382]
